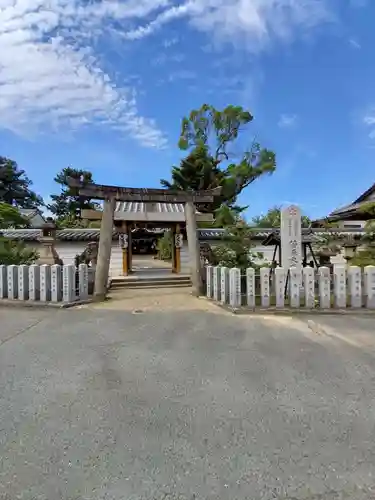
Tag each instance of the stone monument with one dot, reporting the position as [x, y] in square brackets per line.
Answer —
[291, 237]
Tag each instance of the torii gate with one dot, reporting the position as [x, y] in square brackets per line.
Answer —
[111, 194]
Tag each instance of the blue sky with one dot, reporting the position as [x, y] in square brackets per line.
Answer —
[103, 85]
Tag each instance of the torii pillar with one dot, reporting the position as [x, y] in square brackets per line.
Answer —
[193, 246]
[104, 252]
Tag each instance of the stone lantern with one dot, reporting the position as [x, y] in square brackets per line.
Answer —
[47, 253]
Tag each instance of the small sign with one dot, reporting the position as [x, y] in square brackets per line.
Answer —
[123, 240]
[178, 240]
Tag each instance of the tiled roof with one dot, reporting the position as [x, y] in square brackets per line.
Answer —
[132, 206]
[204, 234]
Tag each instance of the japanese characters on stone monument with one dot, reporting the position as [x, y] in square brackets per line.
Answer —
[355, 286]
[209, 281]
[56, 283]
[250, 287]
[235, 287]
[279, 284]
[291, 237]
[265, 286]
[23, 282]
[34, 282]
[216, 283]
[309, 286]
[12, 274]
[224, 281]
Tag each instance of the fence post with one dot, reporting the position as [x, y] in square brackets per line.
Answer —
[224, 285]
[339, 287]
[235, 287]
[355, 286]
[295, 287]
[3, 282]
[12, 272]
[370, 286]
[83, 280]
[324, 288]
[217, 283]
[309, 286]
[23, 282]
[265, 286]
[280, 286]
[34, 282]
[250, 287]
[209, 279]
[69, 283]
[56, 283]
[45, 283]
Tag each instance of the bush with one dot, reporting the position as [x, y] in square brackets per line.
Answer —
[164, 246]
[13, 252]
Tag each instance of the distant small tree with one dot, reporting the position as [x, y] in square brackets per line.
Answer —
[13, 252]
[366, 256]
[272, 219]
[68, 204]
[15, 186]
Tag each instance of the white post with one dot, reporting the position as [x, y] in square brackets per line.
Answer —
[83, 280]
[339, 286]
[295, 278]
[12, 282]
[69, 283]
[370, 286]
[23, 282]
[217, 283]
[3, 282]
[224, 285]
[291, 237]
[355, 286]
[324, 288]
[34, 282]
[235, 287]
[56, 283]
[45, 283]
[309, 286]
[265, 286]
[250, 287]
[209, 281]
[280, 286]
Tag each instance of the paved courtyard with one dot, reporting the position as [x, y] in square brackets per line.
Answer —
[115, 402]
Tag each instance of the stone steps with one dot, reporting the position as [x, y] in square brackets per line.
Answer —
[151, 282]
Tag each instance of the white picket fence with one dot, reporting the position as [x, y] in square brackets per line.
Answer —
[347, 287]
[44, 283]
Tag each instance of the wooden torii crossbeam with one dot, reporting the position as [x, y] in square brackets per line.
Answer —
[111, 194]
[103, 192]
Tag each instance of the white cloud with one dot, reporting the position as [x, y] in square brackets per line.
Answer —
[287, 121]
[354, 43]
[369, 121]
[49, 71]
[254, 22]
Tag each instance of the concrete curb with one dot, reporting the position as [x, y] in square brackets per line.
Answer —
[287, 311]
[42, 305]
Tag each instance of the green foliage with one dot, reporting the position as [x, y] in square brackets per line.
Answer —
[12, 252]
[366, 256]
[210, 135]
[235, 250]
[273, 219]
[76, 223]
[10, 217]
[68, 204]
[164, 246]
[15, 186]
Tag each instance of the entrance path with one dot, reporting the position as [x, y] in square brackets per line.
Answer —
[159, 299]
[174, 404]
